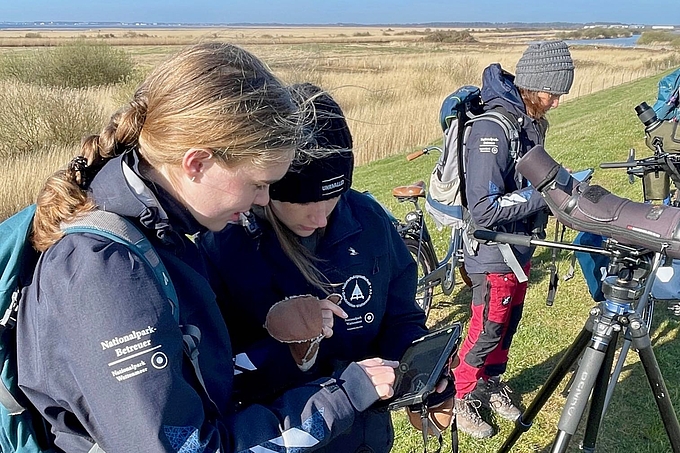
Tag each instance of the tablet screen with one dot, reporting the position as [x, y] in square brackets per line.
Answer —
[421, 366]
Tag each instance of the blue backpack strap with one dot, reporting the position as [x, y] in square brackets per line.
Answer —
[119, 229]
[508, 123]
[511, 126]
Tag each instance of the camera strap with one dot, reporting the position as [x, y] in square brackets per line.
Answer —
[554, 277]
[512, 262]
[426, 426]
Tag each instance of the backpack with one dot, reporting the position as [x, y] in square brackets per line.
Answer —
[22, 429]
[667, 105]
[446, 201]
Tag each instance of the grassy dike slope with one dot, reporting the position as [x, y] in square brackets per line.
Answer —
[598, 128]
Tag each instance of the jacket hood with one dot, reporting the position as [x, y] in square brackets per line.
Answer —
[498, 88]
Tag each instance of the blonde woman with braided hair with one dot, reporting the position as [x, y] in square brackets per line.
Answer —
[101, 353]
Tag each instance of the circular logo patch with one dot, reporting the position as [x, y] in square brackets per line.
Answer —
[357, 291]
[159, 360]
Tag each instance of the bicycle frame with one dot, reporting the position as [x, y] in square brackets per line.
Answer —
[443, 274]
[414, 232]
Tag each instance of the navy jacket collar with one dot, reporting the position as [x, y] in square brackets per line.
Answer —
[120, 188]
[342, 223]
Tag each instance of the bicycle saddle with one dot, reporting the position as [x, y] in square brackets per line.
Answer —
[417, 189]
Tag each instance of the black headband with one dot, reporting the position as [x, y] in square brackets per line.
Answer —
[318, 179]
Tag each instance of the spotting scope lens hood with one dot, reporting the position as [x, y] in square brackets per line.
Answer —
[646, 114]
[593, 209]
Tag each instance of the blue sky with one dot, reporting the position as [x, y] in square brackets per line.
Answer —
[664, 12]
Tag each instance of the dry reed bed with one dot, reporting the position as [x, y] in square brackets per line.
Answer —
[39, 37]
[49, 122]
[22, 176]
[391, 93]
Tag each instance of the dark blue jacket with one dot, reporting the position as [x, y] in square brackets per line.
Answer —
[497, 197]
[363, 255]
[102, 355]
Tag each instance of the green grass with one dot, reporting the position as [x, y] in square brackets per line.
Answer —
[594, 129]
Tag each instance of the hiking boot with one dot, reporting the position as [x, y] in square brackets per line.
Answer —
[495, 395]
[468, 419]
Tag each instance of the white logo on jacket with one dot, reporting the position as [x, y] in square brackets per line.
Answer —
[488, 145]
[511, 199]
[357, 291]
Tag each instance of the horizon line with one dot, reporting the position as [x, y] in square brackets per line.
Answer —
[336, 24]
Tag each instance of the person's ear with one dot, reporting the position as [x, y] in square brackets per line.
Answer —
[194, 161]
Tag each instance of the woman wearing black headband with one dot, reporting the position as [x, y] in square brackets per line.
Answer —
[318, 238]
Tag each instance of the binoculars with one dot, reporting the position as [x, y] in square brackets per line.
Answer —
[658, 133]
[657, 171]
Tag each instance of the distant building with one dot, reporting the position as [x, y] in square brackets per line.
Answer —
[607, 26]
[663, 27]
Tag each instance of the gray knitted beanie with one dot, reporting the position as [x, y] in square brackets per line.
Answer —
[546, 66]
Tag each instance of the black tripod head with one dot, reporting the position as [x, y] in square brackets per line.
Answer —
[627, 272]
[627, 276]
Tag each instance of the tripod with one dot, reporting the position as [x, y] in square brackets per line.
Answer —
[596, 345]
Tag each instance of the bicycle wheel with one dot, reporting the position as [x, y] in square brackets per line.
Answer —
[426, 262]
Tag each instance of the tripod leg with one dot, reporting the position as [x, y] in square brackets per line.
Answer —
[606, 325]
[525, 420]
[586, 373]
[598, 400]
[643, 344]
[625, 347]
[645, 308]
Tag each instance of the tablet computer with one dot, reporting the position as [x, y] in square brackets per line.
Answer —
[423, 364]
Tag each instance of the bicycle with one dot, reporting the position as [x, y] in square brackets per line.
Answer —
[414, 231]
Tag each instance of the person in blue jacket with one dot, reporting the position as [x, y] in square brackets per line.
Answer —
[102, 359]
[500, 199]
[319, 239]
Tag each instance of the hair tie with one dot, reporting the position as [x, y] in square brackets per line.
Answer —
[78, 168]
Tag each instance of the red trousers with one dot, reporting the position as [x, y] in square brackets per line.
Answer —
[497, 304]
